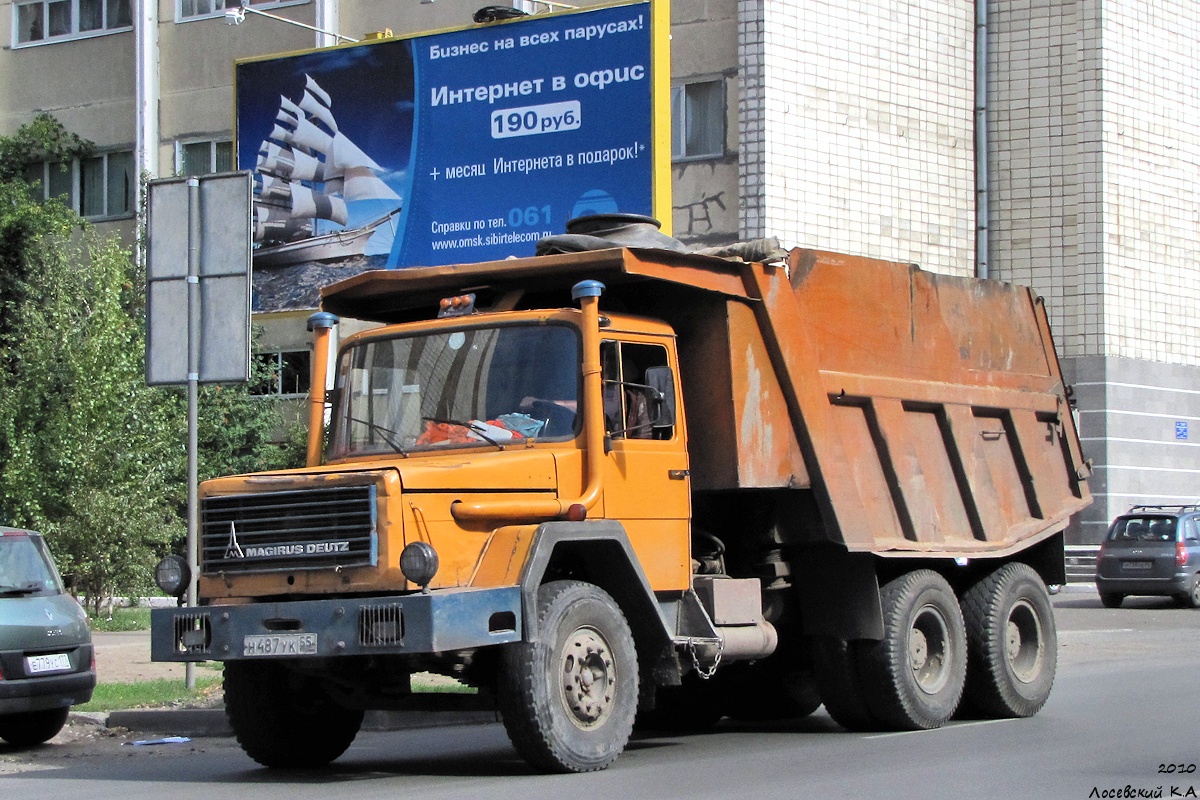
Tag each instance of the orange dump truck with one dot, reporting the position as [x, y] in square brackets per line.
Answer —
[636, 485]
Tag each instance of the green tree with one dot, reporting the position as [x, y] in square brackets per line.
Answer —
[87, 451]
[89, 454]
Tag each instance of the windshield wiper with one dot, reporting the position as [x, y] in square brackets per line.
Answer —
[15, 591]
[383, 432]
[473, 427]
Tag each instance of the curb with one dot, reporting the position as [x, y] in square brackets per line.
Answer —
[433, 712]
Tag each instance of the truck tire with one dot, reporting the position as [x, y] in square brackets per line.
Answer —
[839, 684]
[285, 722]
[28, 728]
[568, 699]
[1012, 644]
[913, 678]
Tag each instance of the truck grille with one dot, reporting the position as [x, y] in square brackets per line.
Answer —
[305, 529]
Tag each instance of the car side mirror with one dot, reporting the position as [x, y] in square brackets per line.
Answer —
[662, 400]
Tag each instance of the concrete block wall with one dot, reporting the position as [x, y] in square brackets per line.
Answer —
[1139, 422]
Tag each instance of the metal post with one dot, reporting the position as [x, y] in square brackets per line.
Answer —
[982, 189]
[193, 384]
[321, 325]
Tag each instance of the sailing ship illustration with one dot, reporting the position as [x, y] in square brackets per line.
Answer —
[308, 171]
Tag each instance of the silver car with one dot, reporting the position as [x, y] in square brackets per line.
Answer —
[1151, 550]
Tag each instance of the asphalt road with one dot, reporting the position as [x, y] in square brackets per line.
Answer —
[1122, 718]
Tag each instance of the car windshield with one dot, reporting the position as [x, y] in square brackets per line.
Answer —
[481, 386]
[25, 567]
[1143, 529]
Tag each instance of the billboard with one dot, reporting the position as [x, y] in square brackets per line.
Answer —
[457, 146]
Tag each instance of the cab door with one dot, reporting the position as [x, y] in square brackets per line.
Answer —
[647, 485]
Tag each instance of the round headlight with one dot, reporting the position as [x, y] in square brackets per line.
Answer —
[173, 575]
[419, 563]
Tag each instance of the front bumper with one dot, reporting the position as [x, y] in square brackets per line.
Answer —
[440, 621]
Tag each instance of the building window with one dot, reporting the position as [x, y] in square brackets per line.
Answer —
[698, 120]
[186, 10]
[203, 157]
[287, 373]
[38, 21]
[103, 186]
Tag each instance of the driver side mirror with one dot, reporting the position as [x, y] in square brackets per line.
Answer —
[661, 403]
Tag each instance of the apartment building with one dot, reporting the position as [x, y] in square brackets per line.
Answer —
[1064, 159]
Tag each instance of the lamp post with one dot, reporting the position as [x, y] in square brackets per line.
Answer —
[237, 15]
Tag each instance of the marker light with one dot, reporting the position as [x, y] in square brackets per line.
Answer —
[173, 575]
[419, 563]
[459, 306]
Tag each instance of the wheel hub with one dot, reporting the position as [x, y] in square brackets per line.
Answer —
[1024, 644]
[588, 677]
[928, 650]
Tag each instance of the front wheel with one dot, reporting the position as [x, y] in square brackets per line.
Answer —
[1012, 644]
[568, 699]
[283, 720]
[33, 727]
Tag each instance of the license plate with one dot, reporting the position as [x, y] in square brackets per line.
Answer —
[280, 644]
[1137, 564]
[55, 662]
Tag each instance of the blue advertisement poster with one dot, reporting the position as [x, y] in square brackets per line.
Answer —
[449, 148]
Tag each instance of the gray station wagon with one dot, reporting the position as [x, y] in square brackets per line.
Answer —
[1151, 550]
[47, 663]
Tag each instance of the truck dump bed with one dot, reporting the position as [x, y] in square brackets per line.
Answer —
[926, 412]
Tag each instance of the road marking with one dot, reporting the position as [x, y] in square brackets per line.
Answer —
[954, 726]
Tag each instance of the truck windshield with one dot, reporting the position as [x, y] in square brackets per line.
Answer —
[25, 567]
[467, 387]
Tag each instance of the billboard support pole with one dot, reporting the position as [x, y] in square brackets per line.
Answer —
[193, 394]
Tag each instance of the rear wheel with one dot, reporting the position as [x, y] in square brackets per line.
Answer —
[283, 720]
[1191, 598]
[568, 700]
[1111, 599]
[1012, 644]
[913, 678]
[839, 684]
[33, 727]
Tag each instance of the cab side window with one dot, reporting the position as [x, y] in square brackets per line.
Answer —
[629, 402]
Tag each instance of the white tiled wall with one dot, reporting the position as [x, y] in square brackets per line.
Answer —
[856, 127]
[1151, 206]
